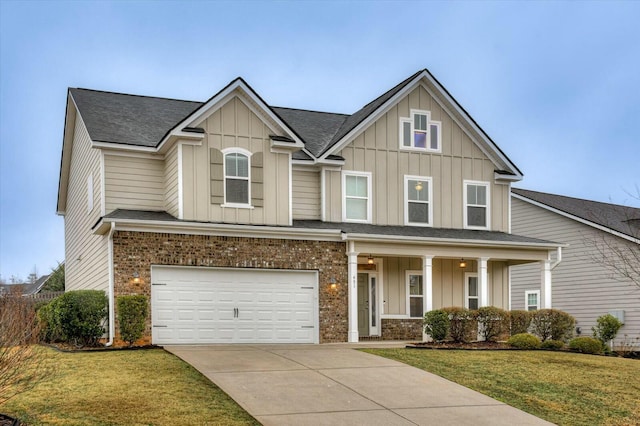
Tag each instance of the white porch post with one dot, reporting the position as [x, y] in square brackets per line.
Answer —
[483, 285]
[353, 292]
[427, 274]
[545, 285]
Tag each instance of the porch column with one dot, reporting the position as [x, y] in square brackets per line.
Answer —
[483, 285]
[545, 285]
[427, 274]
[352, 256]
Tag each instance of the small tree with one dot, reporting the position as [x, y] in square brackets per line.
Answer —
[606, 329]
[22, 362]
[56, 279]
[436, 324]
[132, 315]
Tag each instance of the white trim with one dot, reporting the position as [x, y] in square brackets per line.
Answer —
[248, 154]
[448, 241]
[427, 131]
[145, 155]
[487, 185]
[323, 193]
[429, 202]
[509, 285]
[577, 219]
[402, 122]
[290, 189]
[90, 192]
[103, 206]
[509, 210]
[407, 274]
[352, 282]
[369, 198]
[526, 299]
[180, 184]
[123, 147]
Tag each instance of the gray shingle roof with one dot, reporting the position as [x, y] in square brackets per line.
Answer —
[623, 219]
[129, 119]
[140, 215]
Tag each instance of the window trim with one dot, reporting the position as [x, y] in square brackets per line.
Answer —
[468, 275]
[429, 181]
[368, 175]
[408, 273]
[248, 154]
[411, 121]
[465, 223]
[526, 299]
[90, 192]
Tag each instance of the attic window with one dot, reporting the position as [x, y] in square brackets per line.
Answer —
[419, 132]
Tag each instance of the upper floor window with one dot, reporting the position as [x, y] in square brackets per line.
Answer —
[532, 300]
[418, 201]
[420, 132]
[356, 190]
[236, 177]
[476, 205]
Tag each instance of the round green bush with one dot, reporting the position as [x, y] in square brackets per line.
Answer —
[586, 345]
[132, 315]
[436, 324]
[524, 341]
[552, 344]
[607, 327]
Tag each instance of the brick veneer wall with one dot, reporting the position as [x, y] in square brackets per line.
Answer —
[137, 251]
[401, 329]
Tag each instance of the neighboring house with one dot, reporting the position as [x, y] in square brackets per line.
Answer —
[584, 284]
[27, 289]
[245, 222]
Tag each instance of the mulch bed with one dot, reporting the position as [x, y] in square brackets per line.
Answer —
[8, 421]
[461, 346]
[67, 347]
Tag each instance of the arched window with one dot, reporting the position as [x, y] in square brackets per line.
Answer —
[236, 177]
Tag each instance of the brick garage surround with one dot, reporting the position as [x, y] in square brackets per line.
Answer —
[137, 251]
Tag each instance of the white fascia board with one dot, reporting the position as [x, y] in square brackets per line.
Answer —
[71, 115]
[223, 230]
[122, 147]
[576, 218]
[372, 117]
[447, 241]
[505, 179]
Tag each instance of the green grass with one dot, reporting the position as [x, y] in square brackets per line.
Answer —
[125, 388]
[563, 388]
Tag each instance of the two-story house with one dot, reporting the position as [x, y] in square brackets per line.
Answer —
[245, 222]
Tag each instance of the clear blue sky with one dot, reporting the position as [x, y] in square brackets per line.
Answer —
[555, 84]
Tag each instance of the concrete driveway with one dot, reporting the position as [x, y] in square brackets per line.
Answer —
[337, 385]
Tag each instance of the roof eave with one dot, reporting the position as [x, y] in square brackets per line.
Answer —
[449, 241]
[65, 155]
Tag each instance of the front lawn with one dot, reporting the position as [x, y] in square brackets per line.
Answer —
[125, 388]
[563, 388]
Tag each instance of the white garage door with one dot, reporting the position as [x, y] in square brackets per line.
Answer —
[211, 305]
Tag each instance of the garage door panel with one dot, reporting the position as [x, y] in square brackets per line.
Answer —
[207, 305]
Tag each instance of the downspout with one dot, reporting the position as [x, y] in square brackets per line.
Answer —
[558, 258]
[112, 322]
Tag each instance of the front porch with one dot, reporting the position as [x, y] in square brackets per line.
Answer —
[392, 284]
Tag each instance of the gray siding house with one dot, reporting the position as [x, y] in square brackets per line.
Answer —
[584, 283]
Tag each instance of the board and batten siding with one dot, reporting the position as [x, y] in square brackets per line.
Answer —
[580, 285]
[376, 150]
[86, 254]
[448, 283]
[234, 125]
[171, 193]
[135, 183]
[306, 194]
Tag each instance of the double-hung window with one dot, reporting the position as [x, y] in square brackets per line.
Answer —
[471, 291]
[418, 201]
[356, 190]
[532, 300]
[476, 205]
[419, 132]
[415, 291]
[236, 177]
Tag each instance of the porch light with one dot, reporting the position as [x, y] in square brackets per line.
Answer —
[418, 186]
[136, 277]
[333, 283]
[370, 260]
[462, 263]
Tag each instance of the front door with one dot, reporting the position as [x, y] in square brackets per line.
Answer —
[368, 315]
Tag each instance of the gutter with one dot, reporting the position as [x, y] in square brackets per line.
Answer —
[112, 322]
[558, 258]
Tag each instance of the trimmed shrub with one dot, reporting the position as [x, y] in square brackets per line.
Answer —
[75, 317]
[492, 322]
[586, 345]
[436, 324]
[554, 345]
[462, 324]
[552, 324]
[607, 328]
[520, 321]
[524, 341]
[132, 316]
